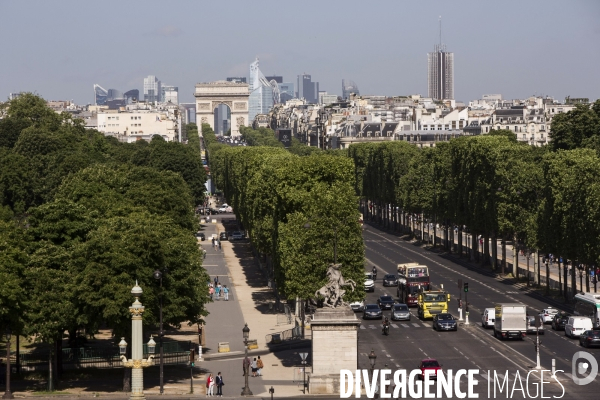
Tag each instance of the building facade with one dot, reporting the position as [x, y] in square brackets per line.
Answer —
[130, 126]
[440, 74]
[152, 89]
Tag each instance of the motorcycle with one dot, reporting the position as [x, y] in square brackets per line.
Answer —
[386, 329]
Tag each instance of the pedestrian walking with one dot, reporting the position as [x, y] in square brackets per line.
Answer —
[216, 280]
[211, 291]
[226, 292]
[219, 382]
[217, 291]
[210, 385]
[213, 242]
[219, 244]
[254, 367]
[259, 366]
[204, 253]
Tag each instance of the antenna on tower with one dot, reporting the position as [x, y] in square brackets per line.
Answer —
[440, 31]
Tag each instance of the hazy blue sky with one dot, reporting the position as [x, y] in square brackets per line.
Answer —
[59, 49]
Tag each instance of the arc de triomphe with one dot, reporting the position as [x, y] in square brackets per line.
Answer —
[210, 95]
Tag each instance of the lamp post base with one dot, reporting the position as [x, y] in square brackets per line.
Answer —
[8, 395]
[246, 392]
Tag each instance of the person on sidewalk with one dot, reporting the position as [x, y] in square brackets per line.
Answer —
[254, 368]
[226, 293]
[216, 280]
[217, 291]
[210, 385]
[259, 366]
[204, 253]
[219, 244]
[219, 382]
[211, 291]
[213, 242]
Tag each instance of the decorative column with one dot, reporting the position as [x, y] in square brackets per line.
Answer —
[137, 362]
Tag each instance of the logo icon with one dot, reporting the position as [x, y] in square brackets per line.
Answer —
[580, 368]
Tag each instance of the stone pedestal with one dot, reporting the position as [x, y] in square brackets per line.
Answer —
[334, 347]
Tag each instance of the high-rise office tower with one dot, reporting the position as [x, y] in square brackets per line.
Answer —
[169, 93]
[286, 91]
[100, 95]
[349, 87]
[132, 95]
[152, 89]
[440, 72]
[261, 92]
[307, 89]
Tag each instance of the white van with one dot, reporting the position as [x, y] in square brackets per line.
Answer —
[487, 318]
[575, 326]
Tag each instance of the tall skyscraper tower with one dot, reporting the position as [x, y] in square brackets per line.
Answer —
[261, 93]
[440, 71]
[152, 89]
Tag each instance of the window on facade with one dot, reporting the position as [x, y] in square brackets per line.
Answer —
[524, 136]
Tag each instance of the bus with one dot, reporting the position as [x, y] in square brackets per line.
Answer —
[412, 278]
[431, 303]
[588, 305]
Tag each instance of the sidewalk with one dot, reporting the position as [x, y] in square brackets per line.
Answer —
[249, 303]
[522, 264]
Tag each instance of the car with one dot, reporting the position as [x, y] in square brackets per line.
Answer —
[390, 280]
[488, 317]
[559, 321]
[213, 211]
[531, 328]
[372, 311]
[357, 306]
[200, 235]
[237, 235]
[576, 325]
[385, 302]
[444, 322]
[223, 209]
[369, 283]
[430, 364]
[547, 314]
[590, 338]
[223, 236]
[400, 312]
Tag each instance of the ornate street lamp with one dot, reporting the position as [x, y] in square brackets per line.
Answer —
[137, 362]
[8, 394]
[158, 275]
[246, 335]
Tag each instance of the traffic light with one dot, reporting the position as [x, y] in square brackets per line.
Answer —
[466, 287]
[192, 357]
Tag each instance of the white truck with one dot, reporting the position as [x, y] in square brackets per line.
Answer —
[510, 321]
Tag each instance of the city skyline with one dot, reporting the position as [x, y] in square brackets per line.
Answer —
[498, 50]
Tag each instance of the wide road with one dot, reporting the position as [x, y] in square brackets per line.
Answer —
[472, 347]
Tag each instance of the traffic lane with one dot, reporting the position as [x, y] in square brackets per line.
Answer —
[425, 341]
[551, 348]
[385, 254]
[468, 348]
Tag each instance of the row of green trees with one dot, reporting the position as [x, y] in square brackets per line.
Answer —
[83, 216]
[297, 210]
[543, 198]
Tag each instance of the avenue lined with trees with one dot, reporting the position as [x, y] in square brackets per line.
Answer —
[544, 198]
[297, 210]
[82, 217]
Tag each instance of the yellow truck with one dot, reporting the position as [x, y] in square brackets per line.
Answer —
[430, 303]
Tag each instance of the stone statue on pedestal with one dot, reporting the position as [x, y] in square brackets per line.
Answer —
[333, 293]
